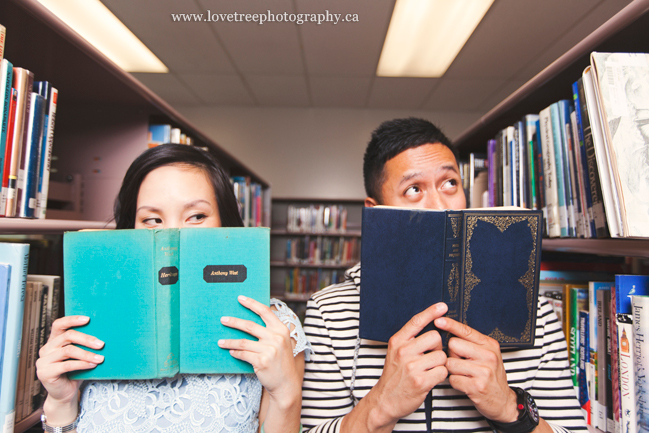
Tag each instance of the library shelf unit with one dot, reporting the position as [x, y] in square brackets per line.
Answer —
[101, 126]
[626, 31]
[279, 236]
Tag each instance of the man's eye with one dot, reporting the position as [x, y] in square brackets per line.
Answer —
[412, 190]
[451, 183]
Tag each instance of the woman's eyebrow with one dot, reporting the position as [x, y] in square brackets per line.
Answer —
[195, 202]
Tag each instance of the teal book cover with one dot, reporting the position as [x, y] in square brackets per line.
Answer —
[224, 263]
[559, 165]
[129, 283]
[484, 264]
[16, 255]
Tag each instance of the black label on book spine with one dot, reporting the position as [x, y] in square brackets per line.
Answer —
[225, 274]
[168, 275]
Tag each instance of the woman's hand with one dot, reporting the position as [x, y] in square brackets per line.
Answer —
[271, 356]
[60, 356]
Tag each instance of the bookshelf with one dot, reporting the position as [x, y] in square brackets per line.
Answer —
[627, 31]
[101, 126]
[280, 267]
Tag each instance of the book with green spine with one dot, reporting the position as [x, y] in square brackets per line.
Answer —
[156, 297]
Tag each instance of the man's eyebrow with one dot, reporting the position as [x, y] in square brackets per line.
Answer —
[410, 176]
[448, 167]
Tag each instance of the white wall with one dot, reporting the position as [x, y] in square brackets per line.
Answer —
[311, 153]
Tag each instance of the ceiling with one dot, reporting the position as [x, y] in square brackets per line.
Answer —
[333, 65]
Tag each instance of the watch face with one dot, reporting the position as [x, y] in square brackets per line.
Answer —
[531, 408]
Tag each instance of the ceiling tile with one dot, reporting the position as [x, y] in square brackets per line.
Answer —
[345, 48]
[182, 46]
[169, 88]
[408, 93]
[271, 48]
[339, 91]
[461, 94]
[216, 89]
[280, 91]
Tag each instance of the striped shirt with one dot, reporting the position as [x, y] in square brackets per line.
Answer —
[331, 325]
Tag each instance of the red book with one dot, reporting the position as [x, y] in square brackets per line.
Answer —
[8, 147]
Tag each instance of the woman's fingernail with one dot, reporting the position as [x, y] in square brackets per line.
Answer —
[97, 343]
[441, 321]
[242, 298]
[225, 319]
[83, 319]
[220, 342]
[98, 358]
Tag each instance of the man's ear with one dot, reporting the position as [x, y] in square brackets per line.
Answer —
[370, 202]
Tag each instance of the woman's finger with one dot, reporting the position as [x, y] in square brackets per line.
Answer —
[243, 345]
[259, 309]
[246, 326]
[53, 371]
[62, 324]
[69, 352]
[69, 337]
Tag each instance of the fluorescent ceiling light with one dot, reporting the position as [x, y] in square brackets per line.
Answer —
[425, 36]
[97, 25]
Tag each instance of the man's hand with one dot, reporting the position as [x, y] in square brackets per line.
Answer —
[476, 368]
[413, 366]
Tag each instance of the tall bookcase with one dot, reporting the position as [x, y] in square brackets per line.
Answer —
[101, 123]
[627, 31]
[280, 235]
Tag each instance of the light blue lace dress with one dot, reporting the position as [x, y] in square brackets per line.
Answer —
[182, 404]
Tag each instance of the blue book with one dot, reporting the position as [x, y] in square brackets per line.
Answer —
[484, 264]
[50, 95]
[31, 157]
[6, 78]
[16, 255]
[557, 127]
[627, 286]
[5, 280]
[159, 134]
[581, 154]
[156, 297]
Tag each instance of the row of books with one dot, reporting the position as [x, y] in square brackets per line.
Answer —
[301, 283]
[164, 133]
[317, 219]
[250, 196]
[28, 306]
[27, 114]
[583, 159]
[323, 250]
[606, 325]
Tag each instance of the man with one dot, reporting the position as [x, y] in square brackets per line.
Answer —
[357, 386]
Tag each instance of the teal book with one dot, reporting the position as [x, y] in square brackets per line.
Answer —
[16, 255]
[156, 297]
[557, 128]
[483, 263]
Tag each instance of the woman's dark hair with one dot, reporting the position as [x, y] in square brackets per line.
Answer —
[390, 139]
[175, 154]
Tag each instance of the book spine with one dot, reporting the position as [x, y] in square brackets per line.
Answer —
[8, 152]
[28, 173]
[550, 174]
[46, 159]
[557, 128]
[610, 422]
[578, 302]
[522, 177]
[167, 270]
[499, 200]
[452, 282]
[640, 346]
[530, 132]
[603, 298]
[578, 96]
[38, 391]
[566, 137]
[614, 370]
[584, 396]
[507, 167]
[601, 156]
[18, 256]
[491, 157]
[628, 421]
[584, 220]
[574, 180]
[6, 76]
[596, 203]
[3, 38]
[540, 186]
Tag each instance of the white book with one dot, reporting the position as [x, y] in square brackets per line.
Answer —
[640, 345]
[626, 372]
[621, 82]
[549, 174]
[601, 155]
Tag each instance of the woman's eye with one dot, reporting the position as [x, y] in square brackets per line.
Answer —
[197, 218]
[150, 222]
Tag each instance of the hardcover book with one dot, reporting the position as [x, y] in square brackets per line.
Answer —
[640, 344]
[156, 297]
[483, 263]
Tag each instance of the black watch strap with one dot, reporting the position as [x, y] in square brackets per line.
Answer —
[528, 415]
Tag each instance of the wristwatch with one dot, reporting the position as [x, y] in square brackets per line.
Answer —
[65, 428]
[528, 415]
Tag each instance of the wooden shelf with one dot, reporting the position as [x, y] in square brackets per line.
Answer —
[29, 422]
[30, 226]
[281, 264]
[284, 232]
[604, 247]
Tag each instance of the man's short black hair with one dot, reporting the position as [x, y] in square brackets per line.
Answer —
[390, 139]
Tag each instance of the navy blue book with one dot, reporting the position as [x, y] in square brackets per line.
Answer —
[483, 263]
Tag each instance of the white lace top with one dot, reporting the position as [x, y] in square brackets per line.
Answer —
[184, 403]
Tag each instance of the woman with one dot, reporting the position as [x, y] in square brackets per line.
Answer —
[173, 186]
